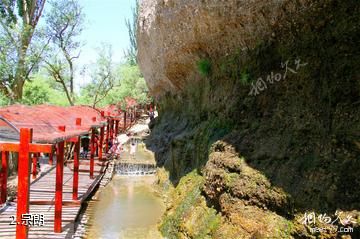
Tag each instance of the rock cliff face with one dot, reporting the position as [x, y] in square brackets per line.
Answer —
[173, 35]
[250, 165]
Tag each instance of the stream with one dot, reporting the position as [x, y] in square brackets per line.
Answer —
[127, 207]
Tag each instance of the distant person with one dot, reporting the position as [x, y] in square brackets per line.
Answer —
[85, 143]
[132, 149]
[110, 143]
[151, 114]
[113, 148]
[119, 149]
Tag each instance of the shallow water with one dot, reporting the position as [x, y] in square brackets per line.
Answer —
[126, 208]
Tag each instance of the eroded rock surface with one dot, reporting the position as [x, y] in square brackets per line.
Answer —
[246, 166]
[173, 35]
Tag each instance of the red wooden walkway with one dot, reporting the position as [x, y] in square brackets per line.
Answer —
[37, 129]
[42, 199]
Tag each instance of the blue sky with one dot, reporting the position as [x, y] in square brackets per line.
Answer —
[105, 22]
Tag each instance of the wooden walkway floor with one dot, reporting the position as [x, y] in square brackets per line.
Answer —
[43, 189]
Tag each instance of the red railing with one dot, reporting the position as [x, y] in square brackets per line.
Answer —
[40, 129]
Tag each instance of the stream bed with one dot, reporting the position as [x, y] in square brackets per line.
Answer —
[127, 207]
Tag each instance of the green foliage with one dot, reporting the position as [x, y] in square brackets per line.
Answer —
[35, 93]
[4, 100]
[131, 24]
[245, 78]
[286, 230]
[39, 91]
[204, 67]
[132, 84]
[236, 67]
[64, 24]
[7, 11]
[171, 226]
[189, 202]
[129, 82]
[103, 78]
[20, 57]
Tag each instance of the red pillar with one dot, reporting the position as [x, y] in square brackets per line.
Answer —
[76, 170]
[4, 169]
[92, 153]
[124, 121]
[23, 182]
[34, 163]
[131, 116]
[101, 142]
[116, 127]
[107, 137]
[59, 185]
[111, 132]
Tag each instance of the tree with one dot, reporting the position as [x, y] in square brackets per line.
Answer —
[102, 75]
[41, 90]
[7, 11]
[128, 82]
[17, 32]
[131, 25]
[65, 23]
[4, 100]
[36, 92]
[131, 84]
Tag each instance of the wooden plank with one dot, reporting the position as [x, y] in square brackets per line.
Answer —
[34, 148]
[44, 189]
[10, 147]
[64, 203]
[41, 148]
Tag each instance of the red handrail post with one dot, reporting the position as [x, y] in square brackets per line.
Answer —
[107, 136]
[111, 131]
[116, 127]
[78, 121]
[4, 169]
[23, 182]
[76, 170]
[59, 185]
[101, 142]
[92, 153]
[131, 116]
